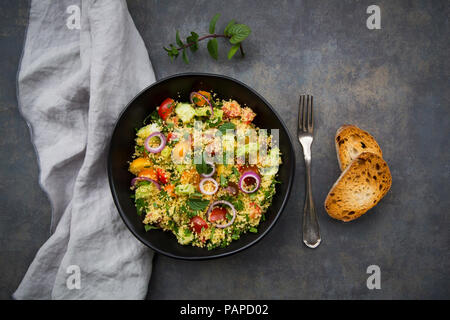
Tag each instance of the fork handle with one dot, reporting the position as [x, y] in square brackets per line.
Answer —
[311, 232]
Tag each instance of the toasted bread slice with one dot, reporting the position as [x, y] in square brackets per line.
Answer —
[360, 187]
[351, 141]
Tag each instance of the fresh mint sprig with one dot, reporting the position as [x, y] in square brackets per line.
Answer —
[235, 33]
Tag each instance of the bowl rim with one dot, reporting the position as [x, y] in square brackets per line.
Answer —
[213, 256]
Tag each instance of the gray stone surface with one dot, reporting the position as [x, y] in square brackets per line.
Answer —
[392, 82]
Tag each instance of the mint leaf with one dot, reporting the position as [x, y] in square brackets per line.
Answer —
[197, 204]
[172, 51]
[202, 168]
[193, 38]
[213, 48]
[238, 33]
[197, 194]
[233, 50]
[184, 56]
[212, 24]
[227, 126]
[178, 40]
[225, 31]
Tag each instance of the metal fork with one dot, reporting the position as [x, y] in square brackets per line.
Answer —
[311, 234]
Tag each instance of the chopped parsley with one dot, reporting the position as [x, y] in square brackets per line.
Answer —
[238, 205]
[223, 181]
[140, 206]
[187, 232]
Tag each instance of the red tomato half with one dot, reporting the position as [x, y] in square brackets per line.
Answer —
[163, 176]
[218, 214]
[198, 223]
[171, 136]
[245, 168]
[166, 108]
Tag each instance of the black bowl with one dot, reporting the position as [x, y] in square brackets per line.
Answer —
[122, 147]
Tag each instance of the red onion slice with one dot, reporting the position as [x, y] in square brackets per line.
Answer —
[211, 164]
[249, 174]
[194, 93]
[202, 188]
[226, 203]
[159, 148]
[137, 179]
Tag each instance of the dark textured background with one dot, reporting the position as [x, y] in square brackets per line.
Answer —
[393, 82]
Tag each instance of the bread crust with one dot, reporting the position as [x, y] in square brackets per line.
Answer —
[351, 141]
[364, 182]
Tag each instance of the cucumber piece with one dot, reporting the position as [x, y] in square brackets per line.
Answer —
[185, 111]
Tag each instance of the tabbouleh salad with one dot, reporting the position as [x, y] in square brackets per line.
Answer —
[203, 203]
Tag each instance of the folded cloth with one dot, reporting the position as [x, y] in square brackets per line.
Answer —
[82, 62]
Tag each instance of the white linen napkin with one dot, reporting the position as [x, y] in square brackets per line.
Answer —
[82, 62]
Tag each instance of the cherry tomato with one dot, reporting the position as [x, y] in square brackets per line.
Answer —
[245, 168]
[166, 108]
[247, 115]
[172, 136]
[163, 176]
[197, 224]
[250, 180]
[218, 214]
[231, 109]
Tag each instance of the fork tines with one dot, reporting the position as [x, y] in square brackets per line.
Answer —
[305, 113]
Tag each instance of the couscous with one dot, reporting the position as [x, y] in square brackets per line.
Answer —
[199, 172]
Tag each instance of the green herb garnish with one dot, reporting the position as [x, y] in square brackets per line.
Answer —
[187, 232]
[148, 227]
[197, 204]
[203, 168]
[238, 205]
[227, 126]
[235, 33]
[223, 181]
[140, 206]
